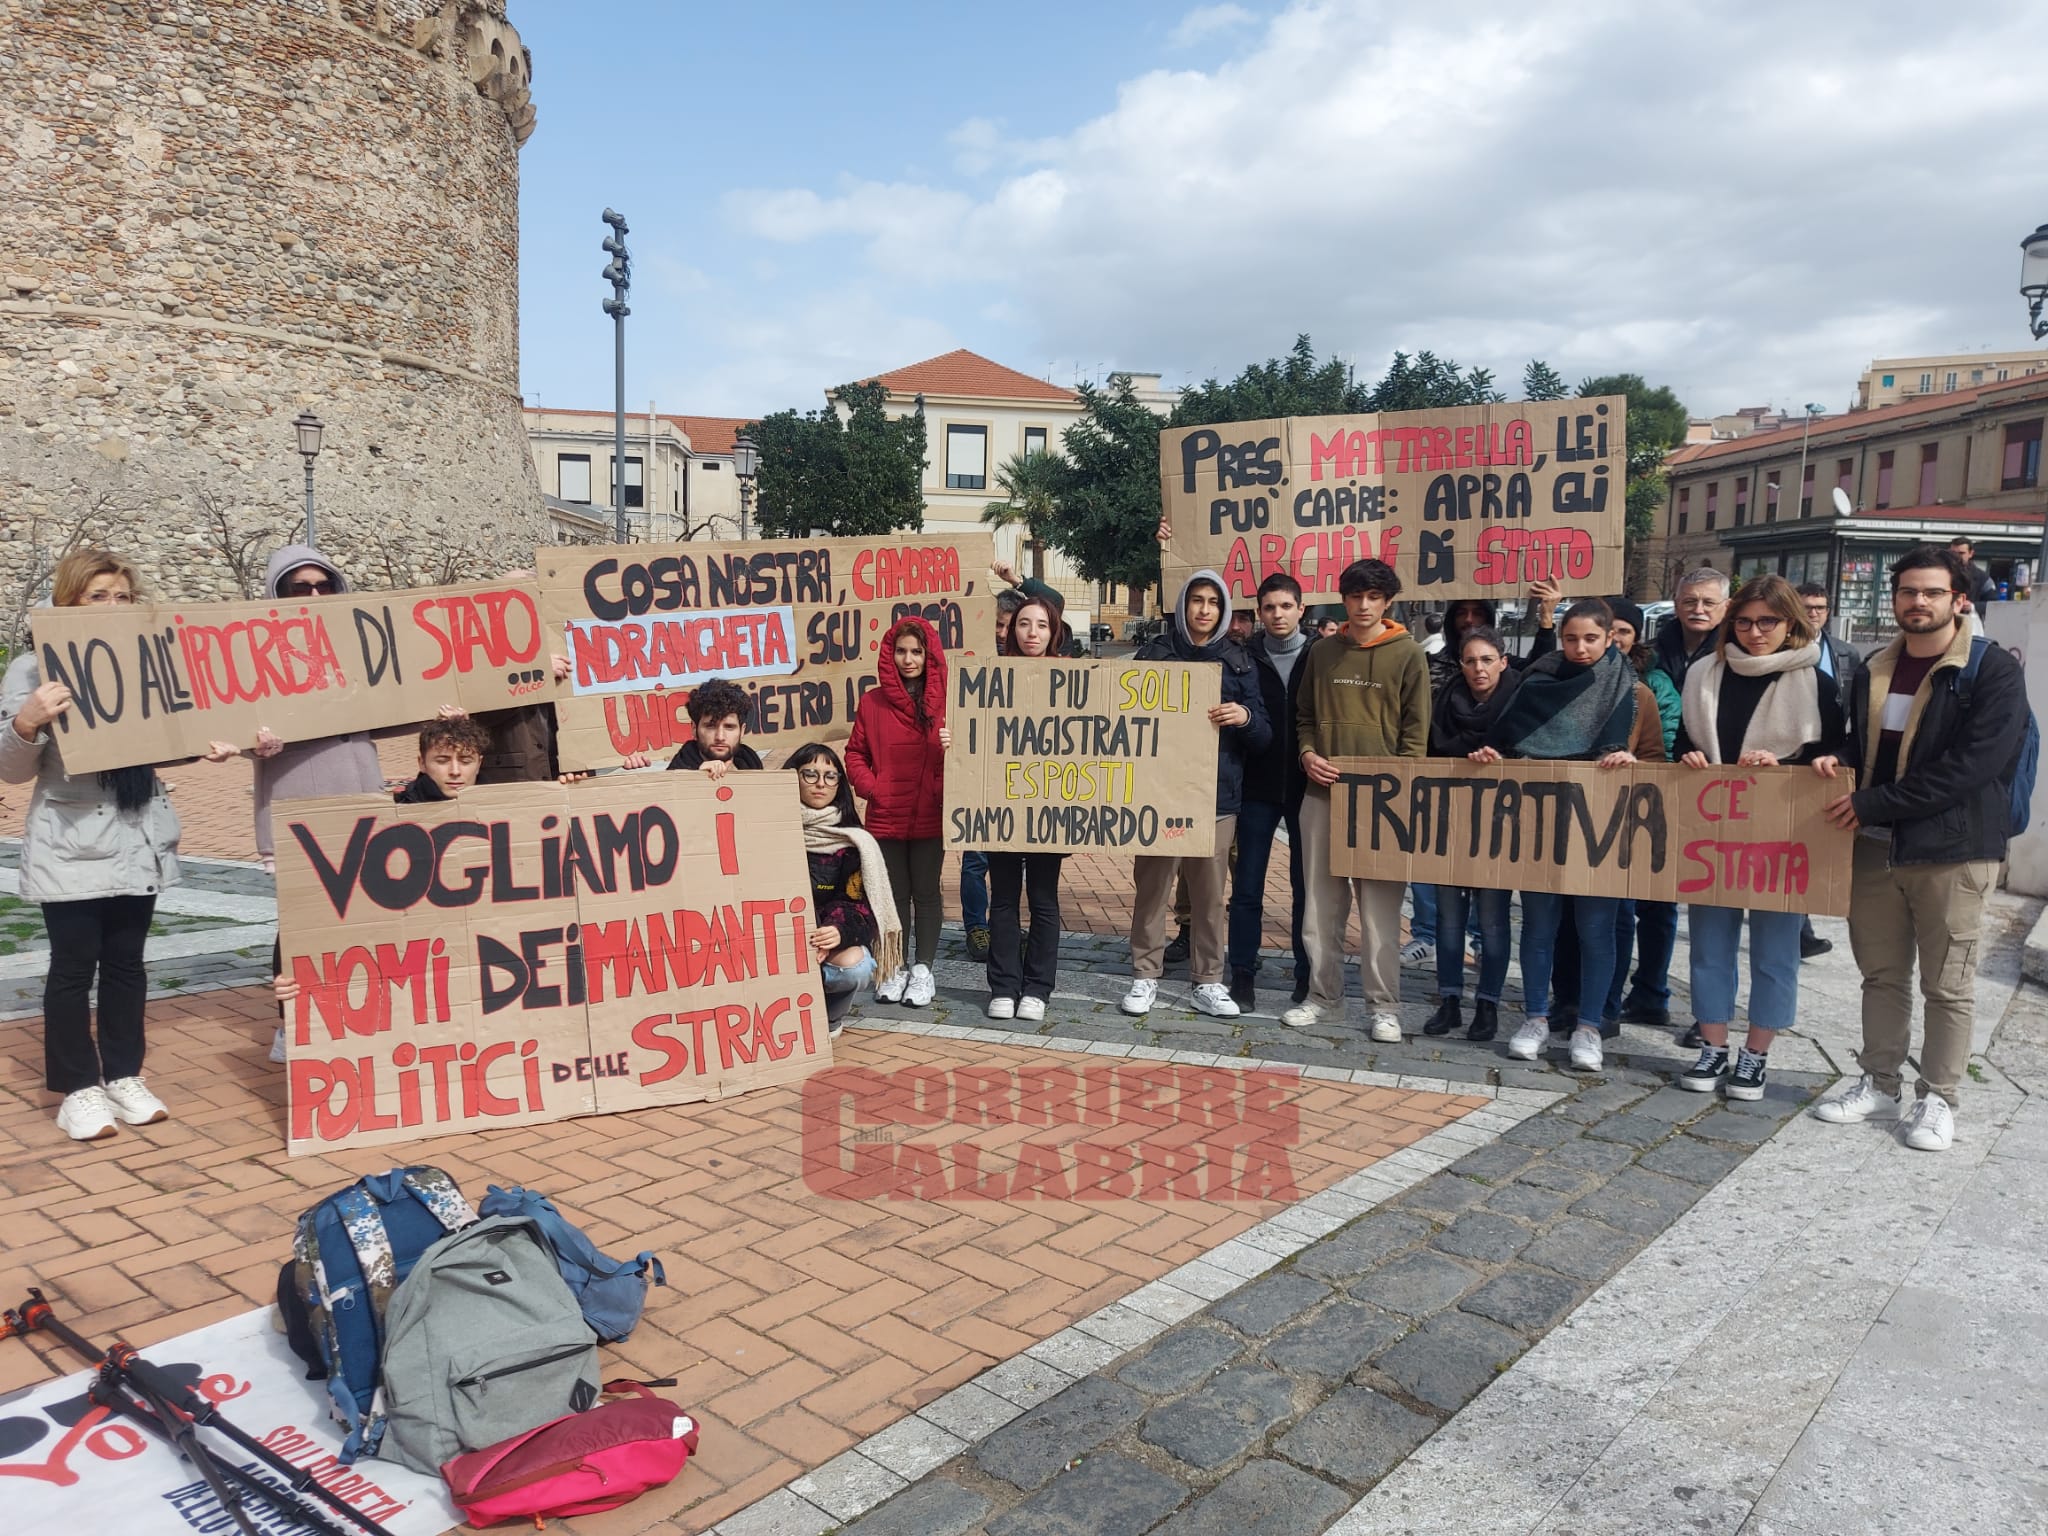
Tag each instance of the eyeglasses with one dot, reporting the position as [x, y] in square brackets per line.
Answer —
[311, 589]
[1929, 593]
[123, 598]
[817, 775]
[1479, 661]
[1704, 604]
[1763, 626]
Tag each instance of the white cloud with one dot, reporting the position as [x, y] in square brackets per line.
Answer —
[1746, 205]
[1206, 21]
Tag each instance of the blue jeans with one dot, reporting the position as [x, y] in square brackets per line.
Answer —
[1422, 921]
[1256, 823]
[1656, 936]
[1541, 913]
[1773, 965]
[840, 982]
[974, 889]
[1455, 904]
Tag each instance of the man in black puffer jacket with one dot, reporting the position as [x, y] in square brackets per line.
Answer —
[1197, 633]
[1273, 784]
[1936, 752]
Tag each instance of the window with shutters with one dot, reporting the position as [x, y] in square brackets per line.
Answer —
[966, 458]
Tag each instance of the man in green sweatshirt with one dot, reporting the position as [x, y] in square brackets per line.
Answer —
[1365, 694]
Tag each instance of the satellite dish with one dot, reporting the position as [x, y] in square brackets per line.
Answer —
[1843, 506]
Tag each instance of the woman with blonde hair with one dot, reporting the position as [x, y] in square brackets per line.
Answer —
[1757, 699]
[96, 849]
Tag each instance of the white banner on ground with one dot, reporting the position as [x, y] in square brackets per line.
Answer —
[66, 1466]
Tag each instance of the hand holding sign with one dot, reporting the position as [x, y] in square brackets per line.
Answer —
[40, 708]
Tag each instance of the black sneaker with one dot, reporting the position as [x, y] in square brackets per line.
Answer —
[1177, 951]
[1563, 1020]
[1448, 1017]
[1242, 992]
[1704, 1075]
[978, 939]
[1633, 1012]
[1813, 944]
[1485, 1021]
[1692, 1039]
[1747, 1080]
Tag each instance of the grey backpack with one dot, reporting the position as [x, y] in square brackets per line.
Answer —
[482, 1341]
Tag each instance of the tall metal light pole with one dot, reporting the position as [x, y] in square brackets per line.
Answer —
[746, 463]
[2034, 289]
[1812, 411]
[619, 274]
[309, 427]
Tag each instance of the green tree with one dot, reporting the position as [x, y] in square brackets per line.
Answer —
[1540, 381]
[1106, 507]
[1656, 425]
[1428, 382]
[1031, 484]
[1296, 385]
[859, 476]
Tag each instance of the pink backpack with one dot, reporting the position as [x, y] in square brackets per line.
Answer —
[578, 1464]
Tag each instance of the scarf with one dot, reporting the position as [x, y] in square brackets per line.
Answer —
[1563, 710]
[1784, 720]
[823, 834]
[1460, 723]
[1285, 653]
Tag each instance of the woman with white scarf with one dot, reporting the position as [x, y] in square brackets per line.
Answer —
[854, 926]
[1756, 700]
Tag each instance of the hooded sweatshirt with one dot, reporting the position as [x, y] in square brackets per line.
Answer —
[893, 758]
[1236, 743]
[325, 765]
[1364, 700]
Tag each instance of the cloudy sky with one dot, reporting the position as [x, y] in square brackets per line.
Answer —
[1747, 203]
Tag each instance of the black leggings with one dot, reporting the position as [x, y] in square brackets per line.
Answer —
[914, 865]
[103, 935]
[1017, 968]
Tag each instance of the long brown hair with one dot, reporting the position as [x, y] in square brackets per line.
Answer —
[1782, 598]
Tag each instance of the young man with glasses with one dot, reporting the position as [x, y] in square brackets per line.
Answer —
[1935, 762]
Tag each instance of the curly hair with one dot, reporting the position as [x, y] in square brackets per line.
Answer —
[463, 735]
[715, 698]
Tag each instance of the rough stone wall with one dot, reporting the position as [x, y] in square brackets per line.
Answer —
[215, 213]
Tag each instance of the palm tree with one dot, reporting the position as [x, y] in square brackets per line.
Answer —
[1030, 483]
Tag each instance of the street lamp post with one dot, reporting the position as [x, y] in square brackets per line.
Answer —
[309, 427]
[746, 463]
[2034, 279]
[1812, 411]
[618, 273]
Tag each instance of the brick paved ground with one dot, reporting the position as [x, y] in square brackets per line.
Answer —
[797, 1320]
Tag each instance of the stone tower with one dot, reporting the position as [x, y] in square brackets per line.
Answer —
[216, 213]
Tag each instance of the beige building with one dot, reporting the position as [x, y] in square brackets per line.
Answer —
[1923, 470]
[679, 476]
[1892, 380]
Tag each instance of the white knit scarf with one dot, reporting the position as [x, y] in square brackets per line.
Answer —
[1786, 718]
[823, 834]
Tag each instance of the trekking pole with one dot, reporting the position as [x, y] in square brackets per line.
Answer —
[129, 1384]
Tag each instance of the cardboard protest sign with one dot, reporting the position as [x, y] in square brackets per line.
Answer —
[530, 952]
[797, 623]
[1068, 756]
[1467, 501]
[1721, 837]
[68, 1464]
[157, 682]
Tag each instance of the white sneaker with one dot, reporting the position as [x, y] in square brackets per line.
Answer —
[134, 1103]
[1002, 1007]
[922, 987]
[1139, 999]
[1213, 997]
[1528, 1041]
[1586, 1054]
[86, 1115]
[1386, 1028]
[1860, 1101]
[1302, 1016]
[890, 989]
[1419, 953]
[1031, 1009]
[277, 1046]
[1930, 1125]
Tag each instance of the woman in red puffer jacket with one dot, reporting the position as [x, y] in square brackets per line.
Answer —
[897, 761]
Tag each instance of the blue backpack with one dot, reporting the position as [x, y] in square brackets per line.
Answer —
[611, 1292]
[2026, 766]
[349, 1254]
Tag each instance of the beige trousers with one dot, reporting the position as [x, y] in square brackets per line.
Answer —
[1327, 912]
[1208, 908]
[1931, 913]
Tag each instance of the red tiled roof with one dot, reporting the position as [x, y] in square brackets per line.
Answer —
[971, 374]
[1854, 424]
[711, 434]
